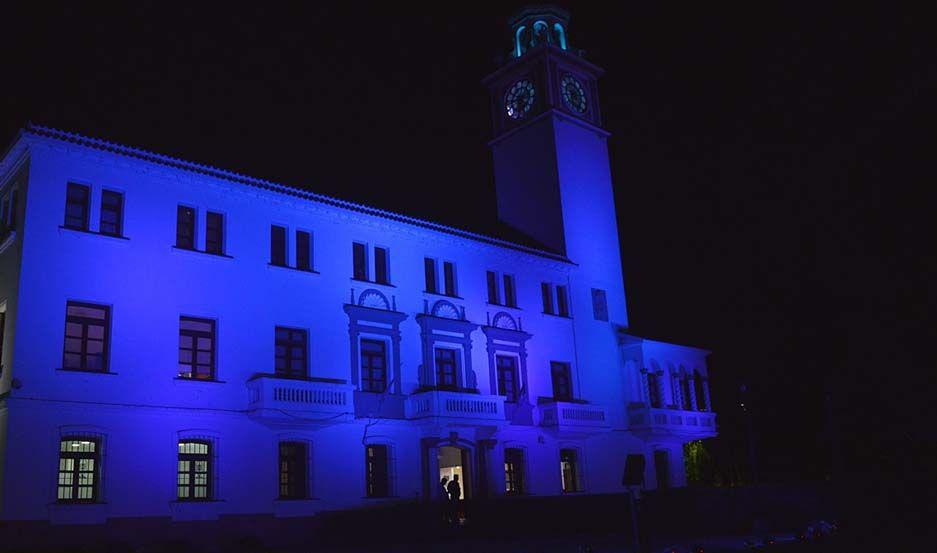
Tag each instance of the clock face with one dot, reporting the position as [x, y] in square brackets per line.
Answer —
[574, 95]
[519, 99]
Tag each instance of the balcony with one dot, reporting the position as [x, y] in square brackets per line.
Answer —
[455, 406]
[299, 400]
[570, 415]
[693, 425]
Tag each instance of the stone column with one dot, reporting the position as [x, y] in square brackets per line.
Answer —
[431, 490]
[709, 405]
[395, 338]
[647, 386]
[691, 387]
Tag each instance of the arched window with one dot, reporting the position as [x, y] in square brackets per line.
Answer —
[519, 46]
[541, 34]
[560, 35]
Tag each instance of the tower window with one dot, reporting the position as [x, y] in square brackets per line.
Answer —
[278, 245]
[193, 476]
[79, 470]
[599, 305]
[377, 471]
[86, 337]
[112, 213]
[77, 206]
[293, 471]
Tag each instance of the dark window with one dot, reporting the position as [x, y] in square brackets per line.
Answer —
[193, 477]
[76, 206]
[214, 232]
[86, 333]
[293, 470]
[185, 227]
[196, 348]
[112, 213]
[446, 368]
[513, 471]
[493, 288]
[662, 469]
[698, 385]
[562, 381]
[277, 246]
[429, 270]
[507, 377]
[599, 305]
[373, 366]
[303, 250]
[653, 389]
[569, 470]
[290, 352]
[79, 469]
[380, 266]
[562, 302]
[685, 391]
[448, 271]
[510, 299]
[378, 484]
[546, 290]
[360, 255]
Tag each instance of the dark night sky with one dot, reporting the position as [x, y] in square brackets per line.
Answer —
[764, 161]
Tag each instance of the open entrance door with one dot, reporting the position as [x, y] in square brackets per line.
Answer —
[454, 465]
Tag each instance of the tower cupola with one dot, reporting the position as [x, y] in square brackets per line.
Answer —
[538, 25]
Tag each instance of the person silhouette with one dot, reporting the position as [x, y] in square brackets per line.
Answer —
[455, 491]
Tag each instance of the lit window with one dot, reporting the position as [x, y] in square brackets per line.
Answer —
[76, 206]
[293, 470]
[79, 467]
[514, 471]
[569, 470]
[193, 477]
[196, 348]
[86, 337]
[112, 213]
[377, 471]
[290, 353]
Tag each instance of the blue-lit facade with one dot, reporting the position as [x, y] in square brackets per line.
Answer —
[180, 341]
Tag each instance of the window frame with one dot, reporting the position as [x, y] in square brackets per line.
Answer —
[75, 471]
[84, 322]
[575, 470]
[359, 261]
[514, 477]
[377, 488]
[282, 249]
[195, 335]
[296, 487]
[118, 213]
[192, 471]
[184, 227]
[456, 356]
[450, 279]
[85, 206]
[367, 371]
[289, 344]
[515, 377]
[305, 260]
[215, 245]
[382, 265]
[429, 276]
[566, 371]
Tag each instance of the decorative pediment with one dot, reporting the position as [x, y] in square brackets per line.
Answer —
[504, 320]
[374, 299]
[446, 310]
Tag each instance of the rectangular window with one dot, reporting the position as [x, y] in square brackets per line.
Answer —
[546, 290]
[493, 288]
[569, 470]
[77, 206]
[562, 302]
[510, 299]
[653, 389]
[293, 471]
[112, 213]
[373, 366]
[448, 271]
[290, 346]
[185, 227]
[378, 483]
[685, 392]
[86, 336]
[214, 233]
[446, 368]
[513, 471]
[277, 245]
[429, 272]
[381, 273]
[79, 469]
[562, 381]
[196, 348]
[599, 305]
[193, 476]
[507, 377]
[303, 250]
[360, 255]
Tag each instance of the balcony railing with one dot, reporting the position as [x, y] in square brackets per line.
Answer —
[289, 398]
[455, 405]
[565, 414]
[642, 417]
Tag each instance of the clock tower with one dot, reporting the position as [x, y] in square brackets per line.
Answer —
[551, 155]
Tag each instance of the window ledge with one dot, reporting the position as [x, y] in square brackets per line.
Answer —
[206, 380]
[372, 282]
[85, 371]
[558, 316]
[442, 295]
[187, 251]
[292, 269]
[89, 232]
[295, 500]
[322, 379]
[503, 306]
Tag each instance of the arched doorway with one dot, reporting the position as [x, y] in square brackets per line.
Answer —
[456, 462]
